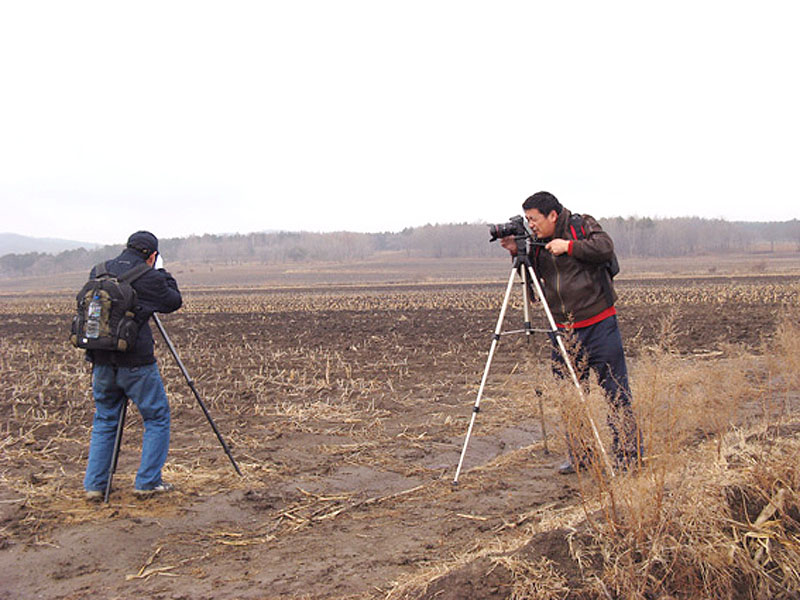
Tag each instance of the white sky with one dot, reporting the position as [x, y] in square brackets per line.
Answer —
[199, 117]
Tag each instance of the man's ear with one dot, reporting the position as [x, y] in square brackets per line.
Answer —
[553, 216]
[151, 260]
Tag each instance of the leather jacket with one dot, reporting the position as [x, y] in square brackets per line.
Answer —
[573, 282]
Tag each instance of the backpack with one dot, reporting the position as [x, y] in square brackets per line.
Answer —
[105, 311]
[579, 233]
[611, 265]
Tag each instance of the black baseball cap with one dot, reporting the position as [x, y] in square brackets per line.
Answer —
[144, 242]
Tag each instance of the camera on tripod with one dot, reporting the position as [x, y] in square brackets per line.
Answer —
[523, 268]
[516, 226]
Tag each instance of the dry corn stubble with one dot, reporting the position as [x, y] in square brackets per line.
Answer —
[669, 527]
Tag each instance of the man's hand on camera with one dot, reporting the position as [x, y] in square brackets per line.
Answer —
[557, 247]
[510, 244]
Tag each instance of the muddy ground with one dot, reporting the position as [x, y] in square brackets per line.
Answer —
[347, 415]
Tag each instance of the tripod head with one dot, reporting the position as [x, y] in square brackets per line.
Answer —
[524, 244]
[521, 258]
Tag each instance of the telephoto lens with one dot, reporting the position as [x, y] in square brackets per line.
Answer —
[515, 226]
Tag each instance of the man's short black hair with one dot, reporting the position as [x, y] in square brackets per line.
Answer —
[544, 202]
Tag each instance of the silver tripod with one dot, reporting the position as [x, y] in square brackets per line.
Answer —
[522, 267]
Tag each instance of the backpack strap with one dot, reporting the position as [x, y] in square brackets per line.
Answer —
[579, 233]
[134, 273]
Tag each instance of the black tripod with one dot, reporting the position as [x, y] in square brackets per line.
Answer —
[522, 267]
[123, 410]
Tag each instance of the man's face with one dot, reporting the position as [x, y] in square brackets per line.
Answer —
[543, 226]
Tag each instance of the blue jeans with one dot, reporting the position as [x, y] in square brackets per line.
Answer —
[599, 347]
[143, 386]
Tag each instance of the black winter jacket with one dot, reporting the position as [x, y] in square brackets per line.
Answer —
[573, 283]
[156, 291]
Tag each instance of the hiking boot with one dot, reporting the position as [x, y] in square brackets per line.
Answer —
[568, 467]
[94, 495]
[161, 488]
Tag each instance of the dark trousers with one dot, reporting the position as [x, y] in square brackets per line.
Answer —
[598, 348]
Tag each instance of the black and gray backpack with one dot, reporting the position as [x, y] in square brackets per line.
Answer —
[105, 311]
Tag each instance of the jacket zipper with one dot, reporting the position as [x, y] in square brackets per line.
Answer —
[558, 286]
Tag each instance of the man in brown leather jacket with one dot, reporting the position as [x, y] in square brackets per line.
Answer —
[572, 267]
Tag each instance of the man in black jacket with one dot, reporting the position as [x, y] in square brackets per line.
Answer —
[133, 374]
[579, 291]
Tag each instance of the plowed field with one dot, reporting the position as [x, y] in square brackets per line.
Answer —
[346, 409]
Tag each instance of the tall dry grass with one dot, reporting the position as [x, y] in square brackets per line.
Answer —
[714, 510]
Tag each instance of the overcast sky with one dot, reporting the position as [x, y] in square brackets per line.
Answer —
[191, 117]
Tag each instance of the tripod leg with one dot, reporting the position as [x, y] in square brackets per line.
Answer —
[565, 355]
[123, 411]
[495, 340]
[541, 418]
[526, 301]
[194, 391]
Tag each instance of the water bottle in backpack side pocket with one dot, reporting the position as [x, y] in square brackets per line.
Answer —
[93, 317]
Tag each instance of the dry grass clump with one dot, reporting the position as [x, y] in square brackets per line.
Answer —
[540, 579]
[714, 511]
[710, 529]
[784, 352]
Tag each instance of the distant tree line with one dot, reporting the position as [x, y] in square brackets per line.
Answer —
[633, 237]
[645, 237]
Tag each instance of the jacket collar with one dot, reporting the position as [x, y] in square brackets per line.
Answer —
[562, 225]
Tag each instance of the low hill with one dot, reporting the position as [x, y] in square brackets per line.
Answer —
[13, 243]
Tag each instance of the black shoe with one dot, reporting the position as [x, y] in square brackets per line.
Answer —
[566, 468]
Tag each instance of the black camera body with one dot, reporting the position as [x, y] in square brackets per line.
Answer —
[515, 226]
